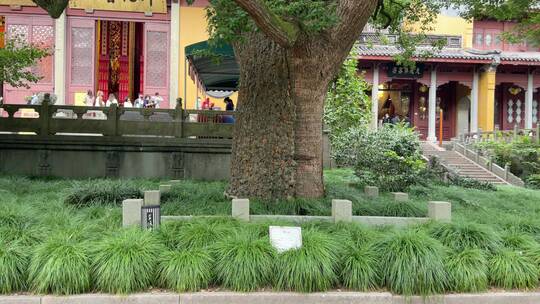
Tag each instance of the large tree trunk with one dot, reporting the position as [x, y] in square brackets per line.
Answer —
[263, 162]
[277, 146]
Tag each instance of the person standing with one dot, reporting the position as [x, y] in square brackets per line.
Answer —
[111, 100]
[98, 102]
[89, 99]
[139, 102]
[156, 100]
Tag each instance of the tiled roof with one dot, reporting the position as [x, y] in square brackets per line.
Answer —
[450, 53]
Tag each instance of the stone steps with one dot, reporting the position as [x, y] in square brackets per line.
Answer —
[464, 166]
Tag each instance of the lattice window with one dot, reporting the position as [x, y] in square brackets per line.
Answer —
[43, 36]
[157, 59]
[82, 53]
[20, 32]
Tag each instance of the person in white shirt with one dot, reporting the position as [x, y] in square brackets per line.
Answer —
[127, 103]
[139, 102]
[89, 99]
[98, 102]
[111, 100]
[156, 100]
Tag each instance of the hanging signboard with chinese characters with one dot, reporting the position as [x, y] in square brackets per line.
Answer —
[18, 2]
[398, 71]
[142, 6]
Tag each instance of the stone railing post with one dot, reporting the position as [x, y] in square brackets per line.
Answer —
[371, 191]
[45, 115]
[179, 119]
[440, 211]
[506, 171]
[240, 209]
[537, 135]
[112, 120]
[342, 211]
[131, 212]
[515, 134]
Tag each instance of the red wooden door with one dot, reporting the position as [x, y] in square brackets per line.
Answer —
[446, 101]
[512, 106]
[156, 61]
[38, 30]
[81, 54]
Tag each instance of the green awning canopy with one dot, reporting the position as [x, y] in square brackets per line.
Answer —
[214, 75]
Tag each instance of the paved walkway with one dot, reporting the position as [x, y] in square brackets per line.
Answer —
[279, 298]
[462, 165]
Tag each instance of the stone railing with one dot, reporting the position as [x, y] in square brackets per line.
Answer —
[465, 144]
[114, 121]
[499, 135]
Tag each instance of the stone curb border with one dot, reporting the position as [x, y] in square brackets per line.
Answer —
[279, 298]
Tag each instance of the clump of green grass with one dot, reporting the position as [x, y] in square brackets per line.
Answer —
[360, 270]
[13, 267]
[313, 267]
[195, 233]
[102, 192]
[400, 209]
[126, 262]
[244, 262]
[186, 270]
[412, 263]
[511, 269]
[467, 270]
[464, 235]
[517, 240]
[60, 265]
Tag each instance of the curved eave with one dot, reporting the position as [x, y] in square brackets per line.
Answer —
[428, 60]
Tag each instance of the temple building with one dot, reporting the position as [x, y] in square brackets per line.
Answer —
[115, 46]
[476, 82]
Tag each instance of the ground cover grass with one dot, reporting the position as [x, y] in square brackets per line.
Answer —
[53, 243]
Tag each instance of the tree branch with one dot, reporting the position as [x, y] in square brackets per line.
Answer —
[282, 32]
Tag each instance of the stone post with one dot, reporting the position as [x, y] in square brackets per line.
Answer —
[174, 183]
[112, 121]
[131, 212]
[152, 198]
[240, 209]
[342, 211]
[45, 115]
[506, 171]
[179, 118]
[400, 196]
[537, 135]
[165, 188]
[371, 191]
[515, 134]
[440, 211]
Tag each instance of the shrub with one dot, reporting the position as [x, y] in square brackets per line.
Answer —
[360, 270]
[244, 262]
[126, 262]
[60, 265]
[389, 158]
[313, 267]
[185, 270]
[412, 263]
[511, 269]
[402, 209]
[465, 235]
[467, 270]
[13, 267]
[102, 192]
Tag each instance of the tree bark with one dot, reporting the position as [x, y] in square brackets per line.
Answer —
[263, 162]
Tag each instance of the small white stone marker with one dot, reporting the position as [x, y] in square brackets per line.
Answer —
[285, 238]
[400, 196]
[152, 198]
[165, 188]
